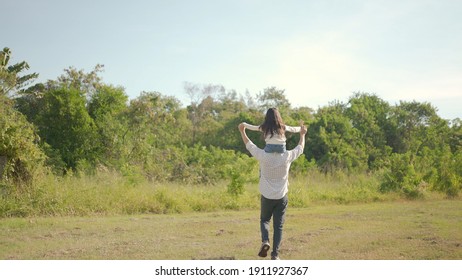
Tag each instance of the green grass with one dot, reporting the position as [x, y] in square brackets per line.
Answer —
[112, 194]
[109, 193]
[424, 229]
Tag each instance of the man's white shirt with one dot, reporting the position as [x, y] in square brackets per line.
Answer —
[274, 170]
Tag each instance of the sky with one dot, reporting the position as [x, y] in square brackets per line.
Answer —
[317, 51]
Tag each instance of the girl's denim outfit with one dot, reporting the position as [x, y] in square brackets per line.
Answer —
[275, 148]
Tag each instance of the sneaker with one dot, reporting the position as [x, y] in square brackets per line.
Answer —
[276, 258]
[264, 249]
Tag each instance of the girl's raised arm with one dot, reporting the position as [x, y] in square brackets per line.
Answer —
[293, 129]
[251, 127]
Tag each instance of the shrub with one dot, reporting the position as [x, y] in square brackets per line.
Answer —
[449, 174]
[20, 156]
[236, 186]
[401, 177]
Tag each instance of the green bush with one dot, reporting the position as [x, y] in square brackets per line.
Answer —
[20, 156]
[401, 177]
[449, 174]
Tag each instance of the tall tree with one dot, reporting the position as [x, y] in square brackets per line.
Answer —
[415, 125]
[66, 126]
[11, 80]
[152, 123]
[20, 155]
[86, 83]
[333, 142]
[200, 110]
[273, 98]
[455, 140]
[108, 108]
[369, 115]
[31, 100]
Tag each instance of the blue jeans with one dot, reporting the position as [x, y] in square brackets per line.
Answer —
[275, 148]
[277, 209]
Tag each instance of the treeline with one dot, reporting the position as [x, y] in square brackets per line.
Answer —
[77, 124]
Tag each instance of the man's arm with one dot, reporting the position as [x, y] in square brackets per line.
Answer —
[250, 146]
[243, 134]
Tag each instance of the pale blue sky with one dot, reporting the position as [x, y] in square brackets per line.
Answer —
[318, 51]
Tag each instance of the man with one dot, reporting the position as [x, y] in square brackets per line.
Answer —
[274, 175]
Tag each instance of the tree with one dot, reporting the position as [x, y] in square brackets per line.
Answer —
[422, 143]
[412, 126]
[86, 83]
[108, 108]
[107, 100]
[11, 81]
[20, 155]
[455, 138]
[200, 111]
[66, 126]
[229, 110]
[333, 142]
[31, 100]
[273, 98]
[154, 124]
[304, 114]
[369, 115]
[156, 114]
[448, 175]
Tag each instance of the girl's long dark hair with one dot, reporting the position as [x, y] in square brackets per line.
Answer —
[273, 123]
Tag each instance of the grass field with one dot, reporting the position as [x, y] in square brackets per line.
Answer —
[428, 229]
[111, 194]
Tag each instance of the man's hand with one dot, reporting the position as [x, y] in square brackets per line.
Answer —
[303, 130]
[241, 127]
[243, 134]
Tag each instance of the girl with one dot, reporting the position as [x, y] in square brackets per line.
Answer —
[273, 129]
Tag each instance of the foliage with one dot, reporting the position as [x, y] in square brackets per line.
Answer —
[86, 83]
[20, 156]
[368, 114]
[415, 125]
[85, 126]
[401, 177]
[455, 136]
[108, 109]
[273, 98]
[10, 80]
[333, 142]
[448, 175]
[66, 126]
